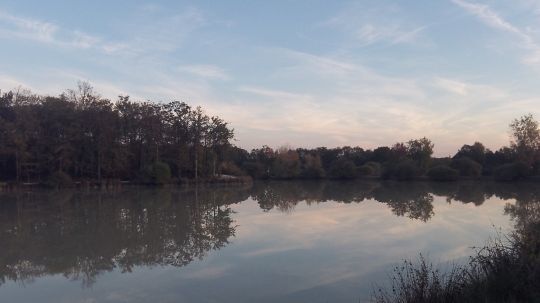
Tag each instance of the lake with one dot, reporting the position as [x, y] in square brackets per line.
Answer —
[269, 242]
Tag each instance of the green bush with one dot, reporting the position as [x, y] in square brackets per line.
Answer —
[162, 173]
[376, 167]
[387, 171]
[439, 161]
[229, 168]
[342, 169]
[157, 173]
[312, 172]
[511, 171]
[443, 173]
[311, 167]
[365, 170]
[467, 167]
[406, 170]
[59, 179]
[285, 169]
[255, 170]
[536, 168]
[369, 169]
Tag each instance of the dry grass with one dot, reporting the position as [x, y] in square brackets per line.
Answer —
[505, 270]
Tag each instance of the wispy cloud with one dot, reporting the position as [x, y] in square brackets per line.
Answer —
[205, 71]
[487, 15]
[18, 27]
[453, 86]
[157, 29]
[318, 64]
[375, 25]
[369, 34]
[27, 28]
[167, 34]
[359, 105]
[270, 93]
[491, 18]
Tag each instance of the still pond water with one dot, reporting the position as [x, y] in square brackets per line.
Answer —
[270, 242]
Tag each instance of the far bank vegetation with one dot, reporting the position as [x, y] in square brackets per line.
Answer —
[80, 137]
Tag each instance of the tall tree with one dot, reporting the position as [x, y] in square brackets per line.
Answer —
[420, 150]
[177, 119]
[219, 136]
[525, 138]
[198, 129]
[476, 152]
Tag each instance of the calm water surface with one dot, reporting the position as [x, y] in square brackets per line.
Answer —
[271, 242]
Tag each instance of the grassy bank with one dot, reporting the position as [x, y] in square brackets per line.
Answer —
[507, 269]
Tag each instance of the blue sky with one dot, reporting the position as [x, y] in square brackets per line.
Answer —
[306, 73]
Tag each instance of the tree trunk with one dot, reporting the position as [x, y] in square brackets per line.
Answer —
[140, 156]
[214, 166]
[17, 167]
[196, 165]
[99, 167]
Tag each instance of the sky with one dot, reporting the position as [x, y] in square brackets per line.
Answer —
[297, 72]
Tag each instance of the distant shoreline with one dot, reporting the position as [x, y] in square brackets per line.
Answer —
[78, 136]
[240, 181]
[112, 184]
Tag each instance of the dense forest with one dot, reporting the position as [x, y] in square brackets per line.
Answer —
[80, 136]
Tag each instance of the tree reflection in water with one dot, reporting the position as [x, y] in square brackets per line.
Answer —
[526, 210]
[413, 200]
[82, 234]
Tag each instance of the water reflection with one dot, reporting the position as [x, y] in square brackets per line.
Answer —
[410, 199]
[81, 235]
[525, 212]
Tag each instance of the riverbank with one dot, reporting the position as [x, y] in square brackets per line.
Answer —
[507, 269]
[115, 183]
[243, 180]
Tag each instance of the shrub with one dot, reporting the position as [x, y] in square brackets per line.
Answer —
[229, 168]
[285, 169]
[369, 169]
[387, 171]
[59, 179]
[440, 161]
[511, 171]
[311, 167]
[342, 169]
[255, 170]
[505, 270]
[157, 173]
[405, 170]
[376, 166]
[312, 172]
[536, 168]
[365, 170]
[443, 173]
[467, 167]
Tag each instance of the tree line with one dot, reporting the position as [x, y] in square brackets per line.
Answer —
[80, 136]
[403, 160]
